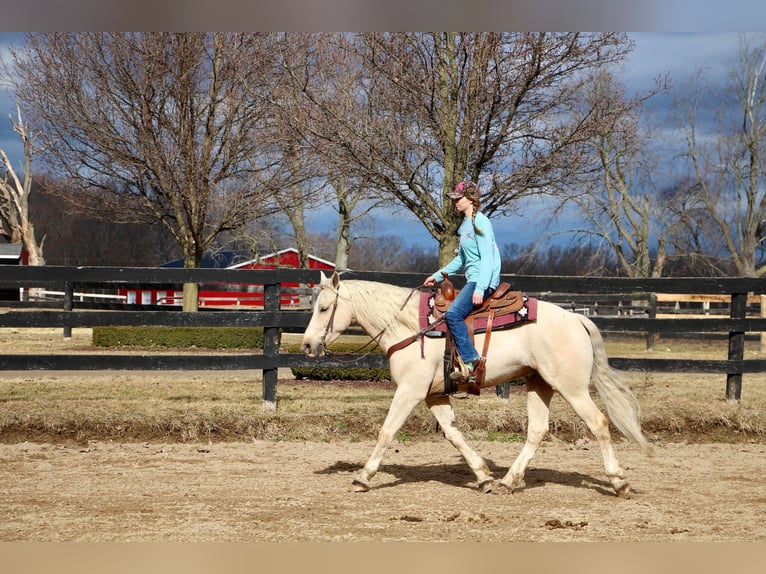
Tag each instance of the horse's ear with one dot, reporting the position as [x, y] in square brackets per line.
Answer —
[335, 279]
[324, 280]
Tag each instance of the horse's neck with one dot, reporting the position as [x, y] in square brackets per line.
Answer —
[378, 309]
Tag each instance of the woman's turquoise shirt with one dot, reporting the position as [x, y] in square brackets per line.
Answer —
[478, 254]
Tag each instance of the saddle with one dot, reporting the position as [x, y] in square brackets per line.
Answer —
[502, 301]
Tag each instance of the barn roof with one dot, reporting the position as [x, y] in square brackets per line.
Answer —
[276, 254]
[222, 259]
[11, 250]
[236, 258]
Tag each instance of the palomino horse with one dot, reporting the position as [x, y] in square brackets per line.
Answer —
[561, 351]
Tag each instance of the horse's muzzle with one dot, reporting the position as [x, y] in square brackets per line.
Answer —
[312, 351]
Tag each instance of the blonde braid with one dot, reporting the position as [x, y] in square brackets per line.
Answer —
[473, 216]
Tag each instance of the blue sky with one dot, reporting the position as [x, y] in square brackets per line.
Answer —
[656, 53]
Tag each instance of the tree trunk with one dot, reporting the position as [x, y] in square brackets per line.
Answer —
[191, 297]
[659, 263]
[16, 192]
[191, 290]
[297, 220]
[34, 250]
[448, 244]
[344, 235]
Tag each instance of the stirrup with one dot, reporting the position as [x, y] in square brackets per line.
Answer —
[470, 388]
[465, 383]
[462, 378]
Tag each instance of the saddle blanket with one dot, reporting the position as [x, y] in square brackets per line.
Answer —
[528, 312]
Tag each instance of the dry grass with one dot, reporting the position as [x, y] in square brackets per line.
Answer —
[202, 405]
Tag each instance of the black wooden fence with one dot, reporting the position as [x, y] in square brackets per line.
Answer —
[69, 314]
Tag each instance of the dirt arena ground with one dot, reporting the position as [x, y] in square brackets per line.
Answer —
[294, 491]
[291, 491]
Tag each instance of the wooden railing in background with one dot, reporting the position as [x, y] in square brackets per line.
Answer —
[69, 314]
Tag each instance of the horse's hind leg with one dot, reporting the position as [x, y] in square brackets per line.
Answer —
[583, 405]
[442, 410]
[401, 406]
[539, 395]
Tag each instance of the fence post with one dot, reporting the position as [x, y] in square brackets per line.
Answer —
[68, 305]
[271, 302]
[652, 315]
[736, 347]
[763, 314]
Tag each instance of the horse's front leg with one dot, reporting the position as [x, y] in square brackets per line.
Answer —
[442, 410]
[404, 401]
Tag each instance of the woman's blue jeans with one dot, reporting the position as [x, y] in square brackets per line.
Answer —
[455, 317]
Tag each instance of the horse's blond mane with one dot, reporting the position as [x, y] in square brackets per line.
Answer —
[378, 305]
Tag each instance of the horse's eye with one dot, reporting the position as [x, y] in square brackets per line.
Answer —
[323, 309]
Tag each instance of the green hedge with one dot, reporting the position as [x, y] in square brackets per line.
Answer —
[203, 337]
[230, 338]
[349, 373]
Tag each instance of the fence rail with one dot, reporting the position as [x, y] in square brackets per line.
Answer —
[71, 314]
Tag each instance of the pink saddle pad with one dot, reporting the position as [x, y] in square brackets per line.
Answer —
[528, 312]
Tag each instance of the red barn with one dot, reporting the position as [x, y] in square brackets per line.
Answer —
[246, 295]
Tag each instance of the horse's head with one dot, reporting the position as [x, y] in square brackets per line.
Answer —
[331, 316]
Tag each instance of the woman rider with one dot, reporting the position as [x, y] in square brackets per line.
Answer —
[479, 255]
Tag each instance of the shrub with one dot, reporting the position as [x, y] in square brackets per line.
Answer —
[203, 337]
[346, 373]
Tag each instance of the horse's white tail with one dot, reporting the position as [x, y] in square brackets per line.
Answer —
[621, 405]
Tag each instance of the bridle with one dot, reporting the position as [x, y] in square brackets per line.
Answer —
[328, 328]
[375, 341]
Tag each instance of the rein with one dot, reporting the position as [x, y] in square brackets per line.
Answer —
[376, 343]
[412, 338]
[407, 300]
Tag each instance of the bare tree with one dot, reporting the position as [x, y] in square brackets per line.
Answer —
[434, 108]
[319, 65]
[729, 168]
[76, 238]
[293, 200]
[573, 259]
[615, 192]
[695, 248]
[354, 203]
[156, 127]
[15, 222]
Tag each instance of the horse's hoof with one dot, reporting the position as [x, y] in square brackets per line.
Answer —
[360, 486]
[624, 491]
[503, 489]
[516, 484]
[486, 486]
[621, 486]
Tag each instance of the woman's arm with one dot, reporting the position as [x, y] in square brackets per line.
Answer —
[450, 268]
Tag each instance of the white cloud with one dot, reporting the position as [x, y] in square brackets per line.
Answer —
[678, 54]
